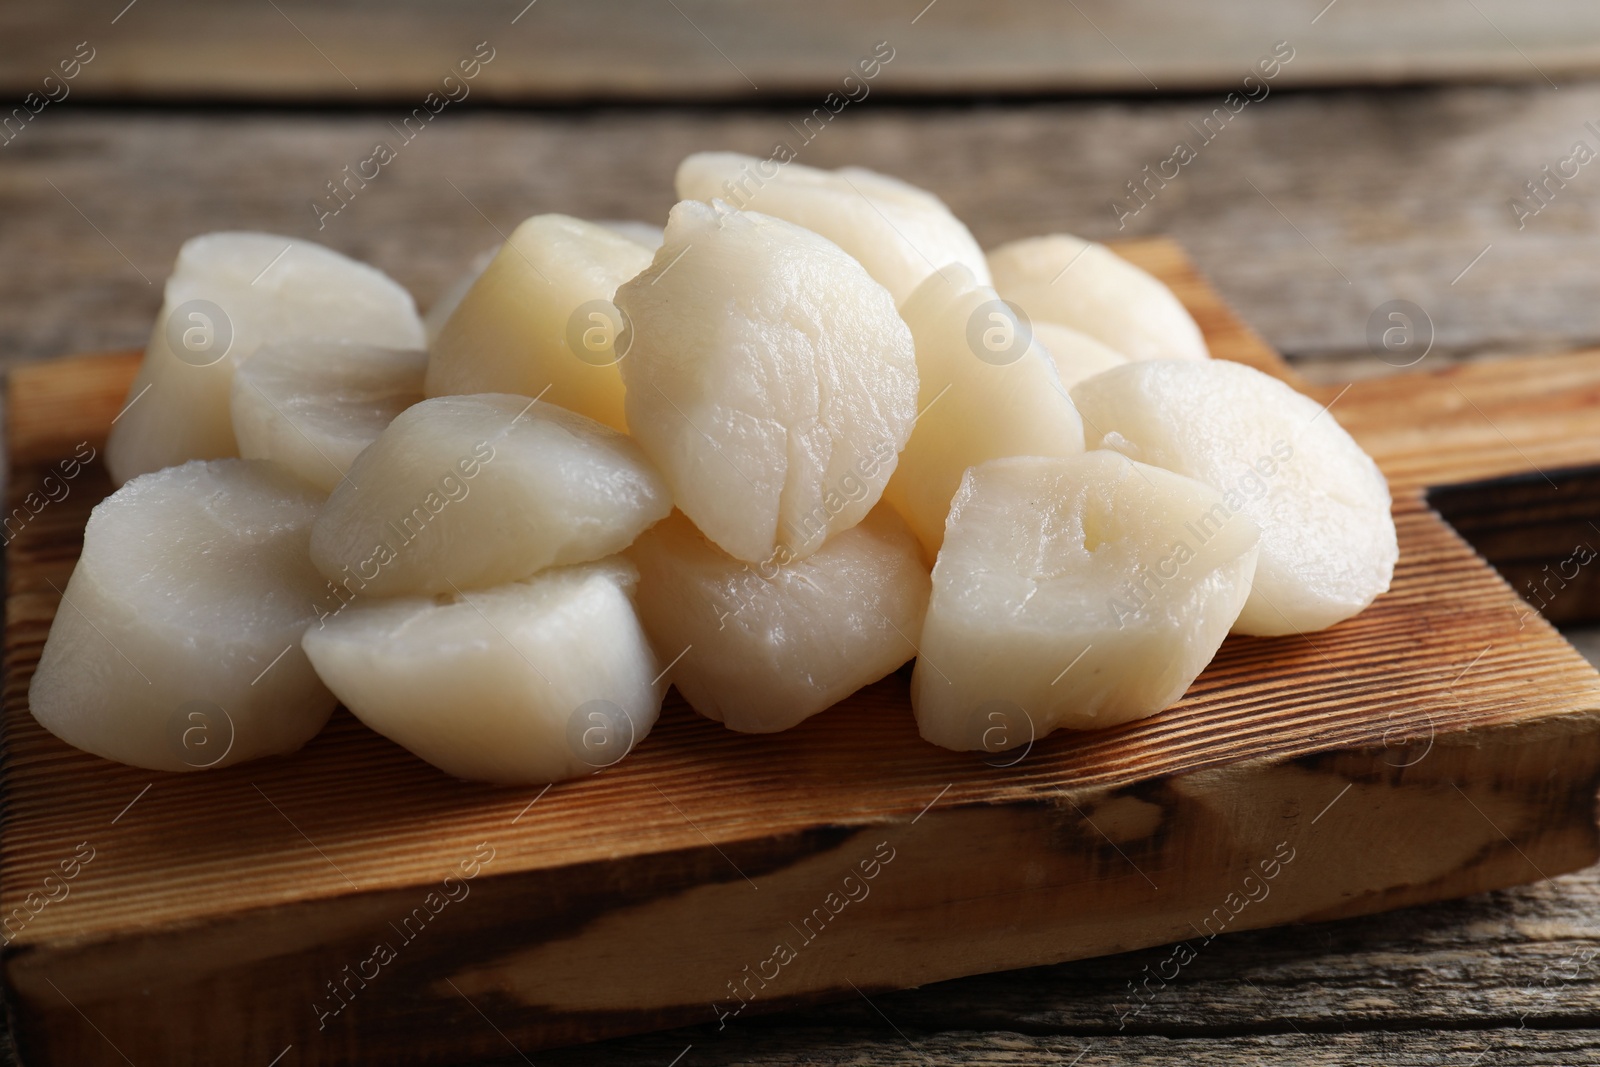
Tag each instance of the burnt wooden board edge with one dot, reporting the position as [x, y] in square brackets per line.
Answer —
[1460, 814]
[1539, 531]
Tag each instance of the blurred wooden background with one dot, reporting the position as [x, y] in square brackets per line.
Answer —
[669, 49]
[1383, 165]
[1313, 207]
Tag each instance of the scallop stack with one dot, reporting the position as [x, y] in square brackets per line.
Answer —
[804, 434]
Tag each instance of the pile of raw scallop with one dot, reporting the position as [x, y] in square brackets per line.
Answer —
[804, 435]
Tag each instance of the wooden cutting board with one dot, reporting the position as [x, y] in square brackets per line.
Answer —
[350, 904]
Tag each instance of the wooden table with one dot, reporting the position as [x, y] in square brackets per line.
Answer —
[1309, 211]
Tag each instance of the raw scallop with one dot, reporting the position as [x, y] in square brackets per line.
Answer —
[646, 235]
[764, 647]
[1328, 544]
[1077, 356]
[900, 233]
[770, 379]
[314, 405]
[464, 492]
[1087, 286]
[540, 322]
[229, 293]
[530, 682]
[177, 643]
[1076, 593]
[987, 390]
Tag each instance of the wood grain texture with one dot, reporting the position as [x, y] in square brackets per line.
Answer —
[724, 50]
[1503, 977]
[1400, 191]
[1534, 1048]
[1468, 763]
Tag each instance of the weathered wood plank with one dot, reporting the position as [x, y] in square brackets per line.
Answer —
[1511, 969]
[1530, 954]
[1400, 191]
[823, 1048]
[721, 49]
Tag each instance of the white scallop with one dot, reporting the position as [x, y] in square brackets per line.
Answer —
[313, 405]
[761, 648]
[900, 233]
[177, 642]
[1074, 593]
[1328, 542]
[463, 492]
[525, 683]
[766, 371]
[1077, 356]
[539, 320]
[1087, 286]
[255, 288]
[646, 235]
[987, 390]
